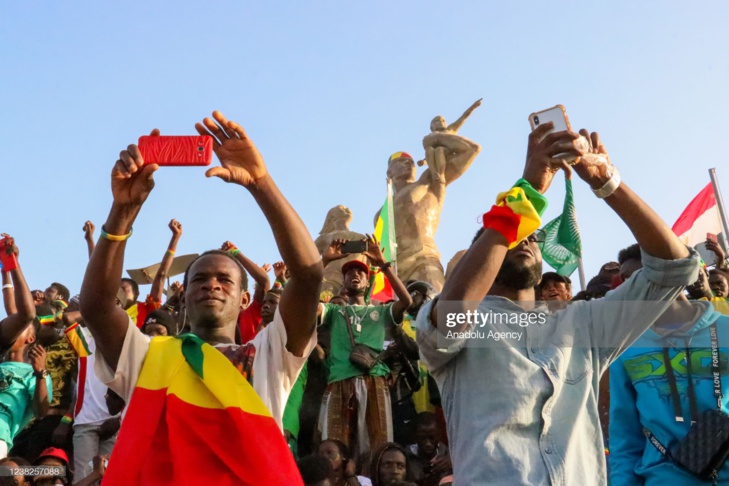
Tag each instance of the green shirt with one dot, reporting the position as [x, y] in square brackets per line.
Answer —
[368, 327]
[17, 387]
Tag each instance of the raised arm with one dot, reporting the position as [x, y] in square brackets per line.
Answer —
[242, 164]
[456, 125]
[260, 275]
[24, 310]
[8, 295]
[404, 300]
[89, 236]
[158, 284]
[131, 184]
[41, 400]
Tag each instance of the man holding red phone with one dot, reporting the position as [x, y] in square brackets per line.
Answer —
[184, 391]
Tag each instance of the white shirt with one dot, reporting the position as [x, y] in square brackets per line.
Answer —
[91, 406]
[275, 369]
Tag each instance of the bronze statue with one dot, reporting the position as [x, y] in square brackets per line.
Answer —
[336, 226]
[418, 203]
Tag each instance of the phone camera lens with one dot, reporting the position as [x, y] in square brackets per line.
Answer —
[200, 149]
[536, 120]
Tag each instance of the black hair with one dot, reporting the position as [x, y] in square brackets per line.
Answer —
[554, 277]
[162, 317]
[630, 253]
[314, 469]
[62, 290]
[426, 419]
[377, 457]
[343, 449]
[243, 274]
[20, 462]
[134, 284]
[478, 235]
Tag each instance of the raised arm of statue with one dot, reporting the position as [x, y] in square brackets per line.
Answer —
[456, 125]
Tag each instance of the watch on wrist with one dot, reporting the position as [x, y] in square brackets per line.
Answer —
[40, 374]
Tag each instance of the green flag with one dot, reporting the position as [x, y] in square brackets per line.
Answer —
[562, 248]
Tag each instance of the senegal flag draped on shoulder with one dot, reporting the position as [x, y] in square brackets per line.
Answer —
[381, 289]
[193, 419]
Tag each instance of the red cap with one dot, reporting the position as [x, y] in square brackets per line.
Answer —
[356, 263]
[53, 452]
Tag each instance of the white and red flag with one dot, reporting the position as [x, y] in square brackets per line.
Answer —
[700, 217]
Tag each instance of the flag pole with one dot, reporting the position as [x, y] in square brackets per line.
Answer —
[720, 204]
[581, 270]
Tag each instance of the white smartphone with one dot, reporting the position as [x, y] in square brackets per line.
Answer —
[558, 116]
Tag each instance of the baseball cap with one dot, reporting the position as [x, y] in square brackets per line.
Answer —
[356, 264]
[55, 452]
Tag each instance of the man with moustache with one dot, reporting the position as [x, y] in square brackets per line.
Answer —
[525, 412]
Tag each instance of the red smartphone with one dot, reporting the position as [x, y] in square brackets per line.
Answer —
[176, 150]
[712, 237]
[7, 257]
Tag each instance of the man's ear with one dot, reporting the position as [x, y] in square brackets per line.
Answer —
[245, 299]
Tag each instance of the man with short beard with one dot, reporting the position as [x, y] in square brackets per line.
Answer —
[524, 410]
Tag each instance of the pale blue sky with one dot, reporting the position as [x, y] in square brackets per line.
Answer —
[328, 90]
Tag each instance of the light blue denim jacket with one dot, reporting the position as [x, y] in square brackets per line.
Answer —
[526, 412]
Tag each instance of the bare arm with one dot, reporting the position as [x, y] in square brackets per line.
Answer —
[131, 184]
[242, 164]
[14, 324]
[260, 276]
[158, 284]
[41, 401]
[8, 295]
[456, 125]
[89, 236]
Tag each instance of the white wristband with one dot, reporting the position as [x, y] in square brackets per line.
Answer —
[8, 286]
[610, 186]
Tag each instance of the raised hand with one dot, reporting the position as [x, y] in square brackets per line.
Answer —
[176, 228]
[594, 166]
[176, 288]
[11, 248]
[89, 229]
[334, 252]
[227, 246]
[37, 356]
[131, 180]
[374, 252]
[240, 161]
[540, 165]
[266, 267]
[279, 270]
[715, 247]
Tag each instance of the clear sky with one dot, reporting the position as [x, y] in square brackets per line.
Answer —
[328, 90]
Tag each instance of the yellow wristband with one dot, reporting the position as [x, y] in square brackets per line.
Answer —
[109, 237]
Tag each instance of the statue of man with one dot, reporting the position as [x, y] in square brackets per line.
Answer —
[336, 227]
[418, 203]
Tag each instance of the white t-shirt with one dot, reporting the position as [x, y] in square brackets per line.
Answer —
[92, 403]
[275, 369]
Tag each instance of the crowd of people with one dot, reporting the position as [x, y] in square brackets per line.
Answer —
[210, 383]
